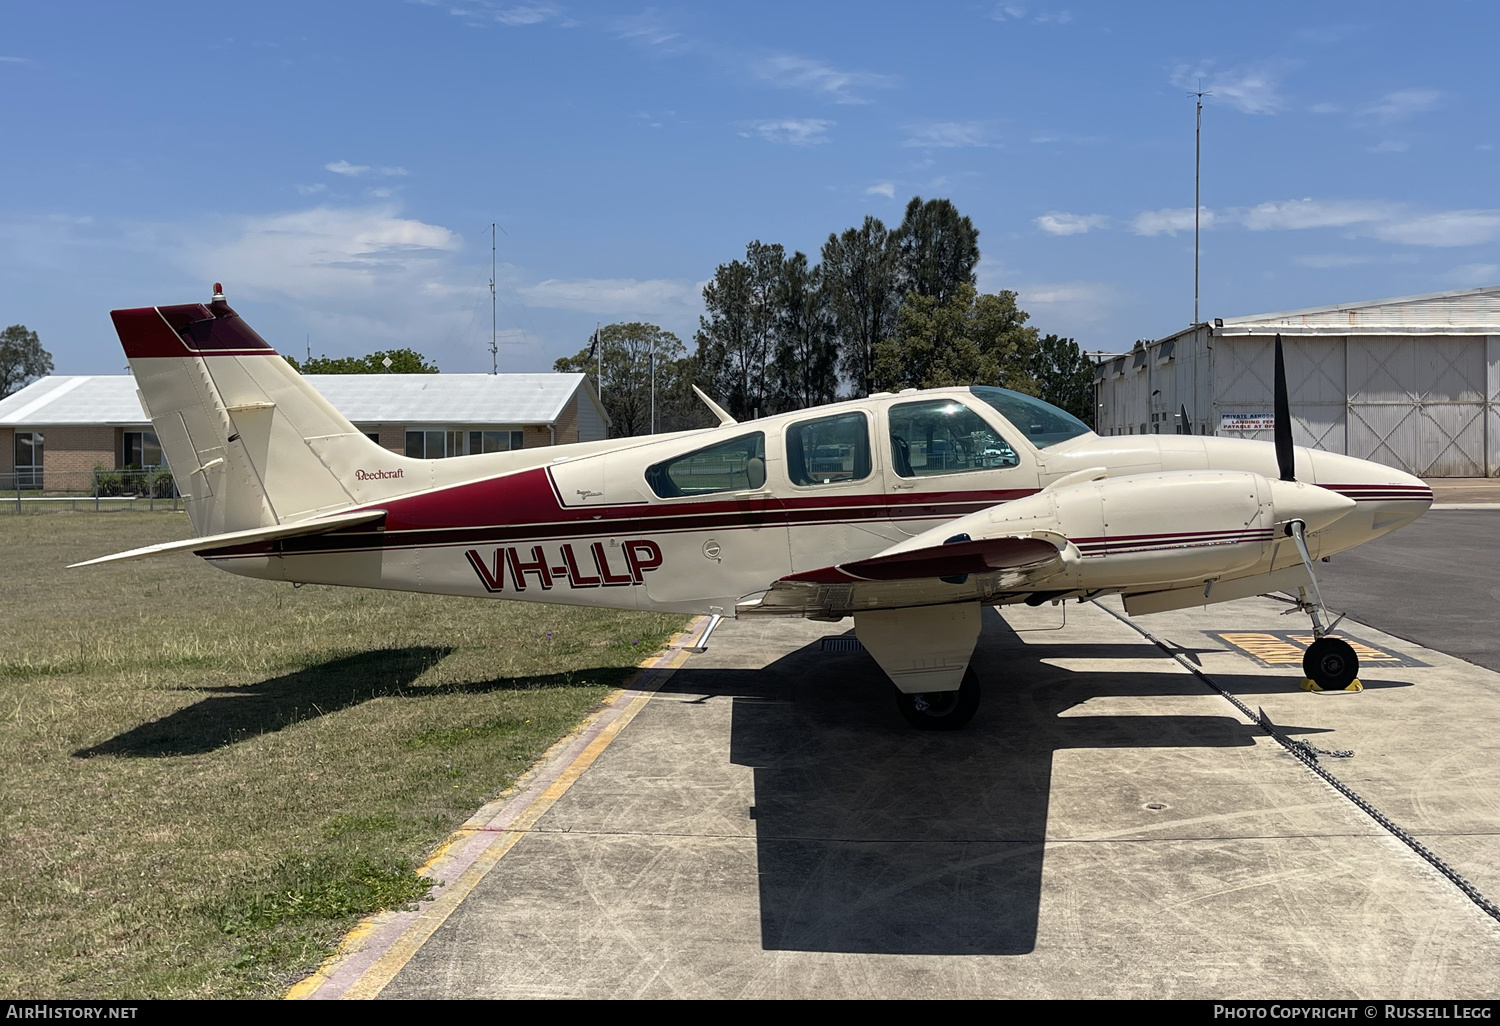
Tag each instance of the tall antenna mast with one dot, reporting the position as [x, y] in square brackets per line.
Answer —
[1197, 185]
[494, 320]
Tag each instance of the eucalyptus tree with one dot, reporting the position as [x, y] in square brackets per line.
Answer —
[859, 278]
[937, 249]
[806, 346]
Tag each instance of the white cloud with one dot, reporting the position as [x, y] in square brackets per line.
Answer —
[15, 60]
[343, 167]
[484, 12]
[1403, 103]
[1389, 146]
[1057, 223]
[1294, 215]
[794, 131]
[1448, 228]
[1475, 275]
[1324, 261]
[1170, 221]
[328, 251]
[789, 71]
[949, 134]
[1017, 12]
[1250, 88]
[886, 189]
[308, 190]
[647, 28]
[613, 296]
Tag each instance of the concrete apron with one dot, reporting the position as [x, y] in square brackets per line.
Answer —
[768, 826]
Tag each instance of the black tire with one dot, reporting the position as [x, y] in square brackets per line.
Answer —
[942, 710]
[1331, 664]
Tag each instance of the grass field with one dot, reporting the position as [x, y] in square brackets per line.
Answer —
[207, 779]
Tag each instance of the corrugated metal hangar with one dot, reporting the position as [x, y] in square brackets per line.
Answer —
[1413, 382]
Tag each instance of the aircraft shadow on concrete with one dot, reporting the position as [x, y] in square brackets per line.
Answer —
[876, 838]
[230, 715]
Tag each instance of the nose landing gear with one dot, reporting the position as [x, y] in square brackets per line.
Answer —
[1330, 663]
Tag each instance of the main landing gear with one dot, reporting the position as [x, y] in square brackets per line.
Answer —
[1330, 663]
[941, 710]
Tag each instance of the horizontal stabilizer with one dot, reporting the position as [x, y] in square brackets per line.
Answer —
[317, 525]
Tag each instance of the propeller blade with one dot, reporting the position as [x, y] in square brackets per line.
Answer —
[1286, 459]
[1187, 425]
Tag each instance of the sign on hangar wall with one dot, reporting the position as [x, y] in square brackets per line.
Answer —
[1247, 422]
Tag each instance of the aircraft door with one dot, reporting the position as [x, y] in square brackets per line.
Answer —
[723, 535]
[946, 460]
[834, 499]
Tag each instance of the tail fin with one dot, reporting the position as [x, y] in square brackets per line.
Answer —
[250, 443]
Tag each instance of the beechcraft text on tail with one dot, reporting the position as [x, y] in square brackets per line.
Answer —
[908, 512]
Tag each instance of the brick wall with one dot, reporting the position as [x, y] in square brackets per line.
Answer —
[536, 436]
[567, 421]
[78, 450]
[392, 436]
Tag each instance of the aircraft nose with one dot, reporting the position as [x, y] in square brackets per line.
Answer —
[1314, 506]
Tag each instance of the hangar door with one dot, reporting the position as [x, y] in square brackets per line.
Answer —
[1245, 370]
[1417, 404]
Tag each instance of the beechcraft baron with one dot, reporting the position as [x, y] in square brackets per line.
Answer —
[908, 512]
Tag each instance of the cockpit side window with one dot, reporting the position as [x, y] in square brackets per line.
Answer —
[734, 466]
[829, 450]
[943, 436]
[1042, 423]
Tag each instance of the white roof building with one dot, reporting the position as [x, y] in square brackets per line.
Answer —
[77, 422]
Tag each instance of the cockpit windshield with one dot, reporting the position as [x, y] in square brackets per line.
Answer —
[1042, 423]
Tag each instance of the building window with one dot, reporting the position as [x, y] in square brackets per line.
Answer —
[140, 449]
[829, 450]
[494, 441]
[434, 445]
[945, 437]
[373, 436]
[28, 459]
[734, 466]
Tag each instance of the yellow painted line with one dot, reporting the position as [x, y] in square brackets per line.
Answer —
[379, 975]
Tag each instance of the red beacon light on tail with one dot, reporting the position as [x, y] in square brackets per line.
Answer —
[218, 296]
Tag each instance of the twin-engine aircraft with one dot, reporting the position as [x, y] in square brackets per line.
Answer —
[908, 512]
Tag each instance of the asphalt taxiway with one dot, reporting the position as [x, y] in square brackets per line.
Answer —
[759, 821]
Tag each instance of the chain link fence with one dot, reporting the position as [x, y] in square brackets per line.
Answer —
[28, 490]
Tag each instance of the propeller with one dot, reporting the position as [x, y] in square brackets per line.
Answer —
[1286, 460]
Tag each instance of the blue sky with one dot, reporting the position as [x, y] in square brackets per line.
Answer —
[337, 165]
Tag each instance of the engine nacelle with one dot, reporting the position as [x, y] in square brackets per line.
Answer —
[1112, 532]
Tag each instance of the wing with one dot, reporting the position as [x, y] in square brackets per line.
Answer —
[958, 570]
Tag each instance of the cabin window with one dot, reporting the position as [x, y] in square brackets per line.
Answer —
[943, 436]
[734, 466]
[829, 450]
[1042, 423]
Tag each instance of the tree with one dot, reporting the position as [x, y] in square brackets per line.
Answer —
[625, 354]
[859, 278]
[937, 250]
[806, 350]
[970, 339]
[736, 338]
[22, 358]
[403, 361]
[1064, 376]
